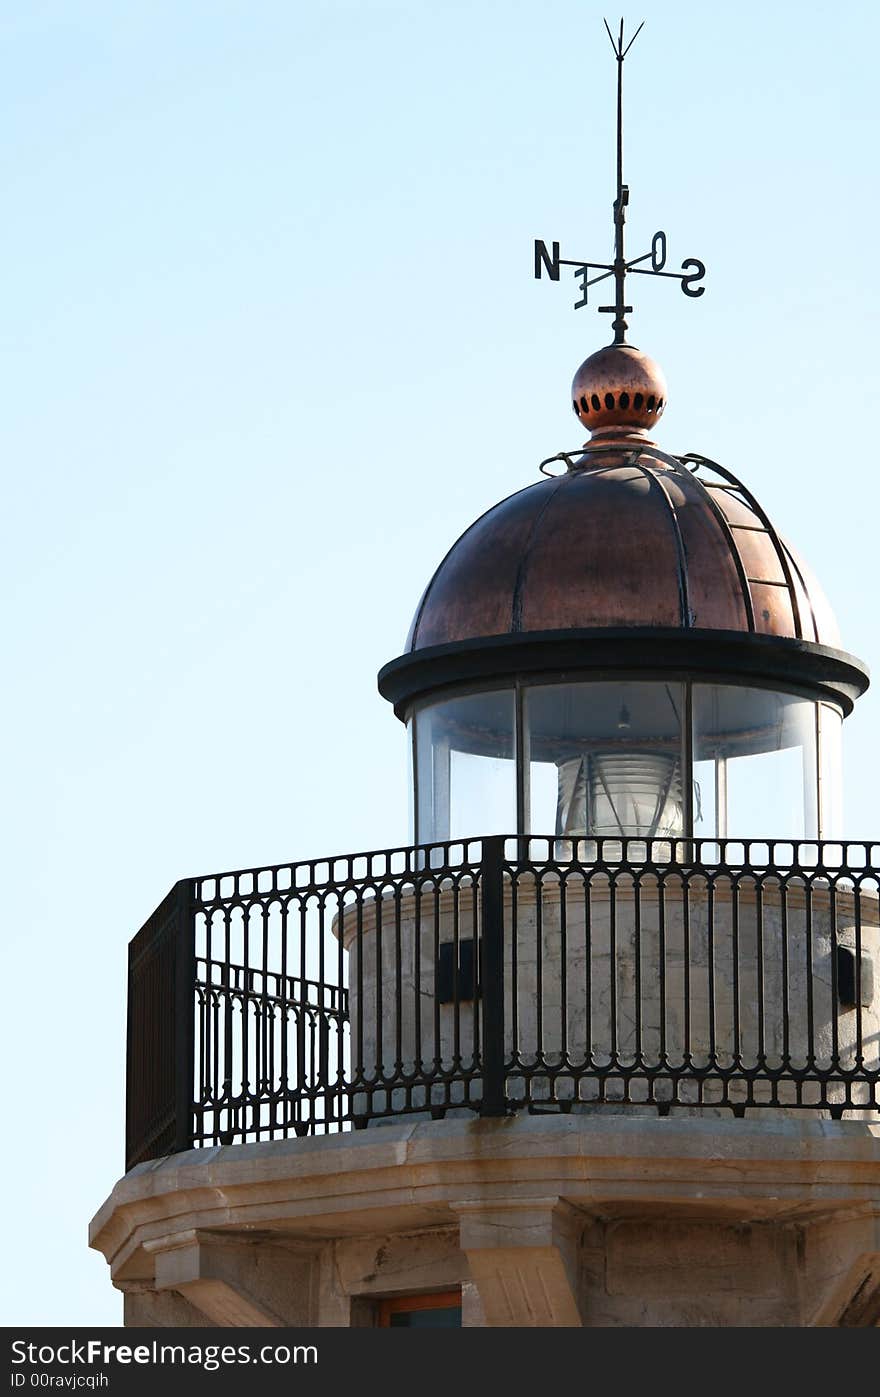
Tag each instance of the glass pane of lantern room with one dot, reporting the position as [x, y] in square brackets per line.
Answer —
[605, 759]
[465, 768]
[755, 763]
[830, 772]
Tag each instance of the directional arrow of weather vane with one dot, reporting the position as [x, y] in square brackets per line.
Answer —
[550, 261]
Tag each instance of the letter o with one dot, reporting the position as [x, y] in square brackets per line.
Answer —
[658, 250]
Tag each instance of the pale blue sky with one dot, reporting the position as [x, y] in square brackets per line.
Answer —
[270, 340]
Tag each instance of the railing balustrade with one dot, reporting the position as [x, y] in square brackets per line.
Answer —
[506, 973]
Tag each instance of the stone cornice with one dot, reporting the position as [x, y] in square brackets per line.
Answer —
[416, 1175]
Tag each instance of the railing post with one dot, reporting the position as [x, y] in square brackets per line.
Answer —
[184, 1014]
[494, 1101]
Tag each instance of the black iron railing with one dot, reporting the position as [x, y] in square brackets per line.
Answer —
[499, 974]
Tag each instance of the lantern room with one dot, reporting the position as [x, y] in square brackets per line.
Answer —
[625, 648]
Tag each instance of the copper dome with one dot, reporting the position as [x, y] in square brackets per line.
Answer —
[633, 562]
[630, 538]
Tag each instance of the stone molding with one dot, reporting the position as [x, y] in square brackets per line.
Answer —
[308, 1231]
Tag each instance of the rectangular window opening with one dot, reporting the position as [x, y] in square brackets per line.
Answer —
[441, 1310]
[458, 981]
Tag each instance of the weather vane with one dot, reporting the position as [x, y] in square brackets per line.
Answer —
[692, 269]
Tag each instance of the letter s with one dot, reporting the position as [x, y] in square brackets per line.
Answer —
[696, 275]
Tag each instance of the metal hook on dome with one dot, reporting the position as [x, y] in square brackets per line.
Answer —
[565, 456]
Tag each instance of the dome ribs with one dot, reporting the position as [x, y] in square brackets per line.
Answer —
[469, 592]
[723, 524]
[684, 605]
[601, 557]
[628, 536]
[778, 546]
[804, 589]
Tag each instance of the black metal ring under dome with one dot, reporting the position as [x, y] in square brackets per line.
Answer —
[634, 652]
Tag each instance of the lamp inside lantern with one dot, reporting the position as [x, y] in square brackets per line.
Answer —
[597, 758]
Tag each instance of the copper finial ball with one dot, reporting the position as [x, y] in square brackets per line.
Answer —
[619, 390]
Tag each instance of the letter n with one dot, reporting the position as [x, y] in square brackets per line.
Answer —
[544, 260]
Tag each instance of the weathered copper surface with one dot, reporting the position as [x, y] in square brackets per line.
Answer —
[617, 388]
[621, 542]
